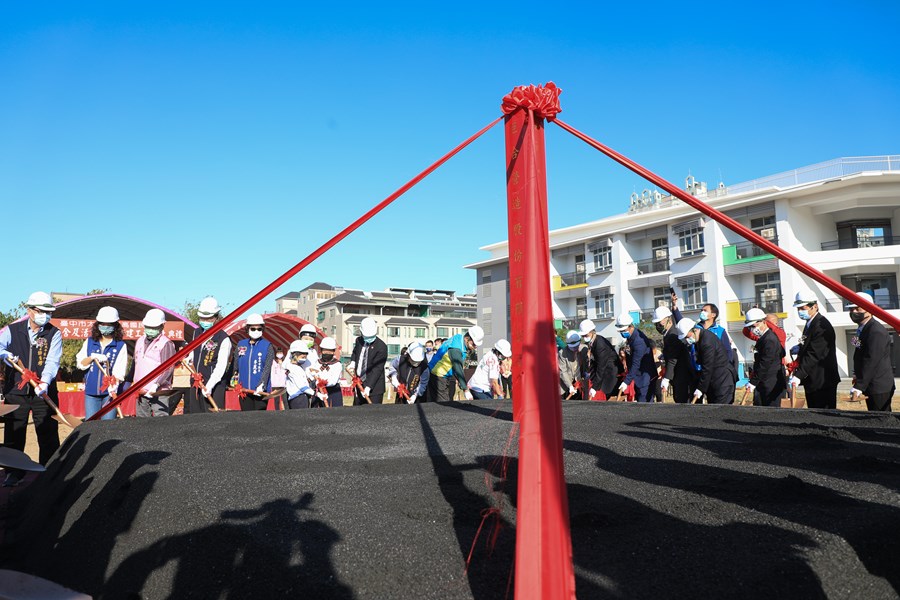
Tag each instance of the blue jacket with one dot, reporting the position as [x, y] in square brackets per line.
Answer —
[93, 379]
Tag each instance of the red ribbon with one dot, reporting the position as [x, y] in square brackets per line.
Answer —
[402, 391]
[197, 379]
[240, 391]
[321, 385]
[543, 100]
[357, 383]
[108, 382]
[28, 377]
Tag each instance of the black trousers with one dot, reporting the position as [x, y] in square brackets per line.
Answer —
[768, 396]
[721, 393]
[441, 389]
[15, 424]
[254, 402]
[825, 397]
[196, 402]
[880, 402]
[359, 399]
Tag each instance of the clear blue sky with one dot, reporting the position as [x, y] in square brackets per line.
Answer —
[175, 150]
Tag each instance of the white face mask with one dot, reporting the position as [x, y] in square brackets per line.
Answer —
[255, 335]
[41, 319]
[279, 355]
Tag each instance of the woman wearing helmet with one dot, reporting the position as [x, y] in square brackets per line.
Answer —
[253, 363]
[485, 381]
[325, 374]
[411, 372]
[104, 357]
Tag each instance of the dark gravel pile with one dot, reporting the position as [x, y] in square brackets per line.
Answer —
[385, 502]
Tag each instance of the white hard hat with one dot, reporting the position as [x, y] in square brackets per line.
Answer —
[573, 337]
[586, 326]
[154, 318]
[661, 313]
[255, 319]
[684, 327]
[804, 297]
[623, 321]
[299, 346]
[328, 344]
[417, 354]
[477, 334]
[368, 327]
[209, 307]
[107, 314]
[754, 315]
[309, 328]
[864, 296]
[503, 347]
[41, 300]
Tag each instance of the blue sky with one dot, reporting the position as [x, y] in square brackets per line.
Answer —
[175, 150]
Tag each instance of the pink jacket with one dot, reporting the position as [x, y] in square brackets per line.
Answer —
[149, 356]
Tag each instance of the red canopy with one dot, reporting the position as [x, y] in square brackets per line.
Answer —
[281, 329]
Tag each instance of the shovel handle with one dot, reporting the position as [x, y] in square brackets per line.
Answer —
[18, 366]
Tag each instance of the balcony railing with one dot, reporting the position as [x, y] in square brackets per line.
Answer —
[745, 250]
[652, 265]
[595, 315]
[774, 305]
[859, 242]
[568, 280]
[887, 302]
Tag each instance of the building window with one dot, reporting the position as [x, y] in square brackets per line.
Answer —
[581, 308]
[486, 276]
[393, 332]
[393, 349]
[603, 306]
[767, 291]
[356, 331]
[333, 330]
[694, 295]
[690, 241]
[420, 332]
[661, 297]
[321, 316]
[603, 258]
[442, 332]
[764, 227]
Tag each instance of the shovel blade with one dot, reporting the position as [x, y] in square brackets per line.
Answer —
[5, 409]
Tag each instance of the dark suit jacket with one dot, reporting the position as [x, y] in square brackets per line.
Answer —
[715, 373]
[374, 376]
[641, 367]
[768, 370]
[678, 361]
[872, 360]
[817, 360]
[602, 365]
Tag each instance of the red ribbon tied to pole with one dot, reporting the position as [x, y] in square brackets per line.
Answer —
[542, 100]
[402, 391]
[240, 391]
[357, 383]
[321, 385]
[28, 377]
[108, 382]
[197, 379]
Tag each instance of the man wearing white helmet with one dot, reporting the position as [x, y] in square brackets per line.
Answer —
[152, 349]
[485, 381]
[572, 367]
[252, 364]
[873, 375]
[678, 371]
[367, 363]
[325, 373]
[38, 344]
[448, 365]
[817, 356]
[716, 379]
[212, 360]
[767, 382]
[103, 355]
[600, 362]
[641, 366]
[298, 387]
[410, 374]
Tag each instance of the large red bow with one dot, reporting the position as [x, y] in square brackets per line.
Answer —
[28, 376]
[321, 385]
[109, 381]
[240, 391]
[402, 391]
[543, 100]
[357, 383]
[197, 379]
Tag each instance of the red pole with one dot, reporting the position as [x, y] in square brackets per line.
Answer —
[739, 229]
[544, 567]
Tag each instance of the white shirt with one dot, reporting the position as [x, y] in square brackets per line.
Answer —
[488, 369]
[119, 367]
[296, 379]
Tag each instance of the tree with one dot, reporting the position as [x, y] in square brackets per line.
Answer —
[190, 310]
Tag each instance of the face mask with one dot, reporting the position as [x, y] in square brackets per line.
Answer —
[369, 340]
[704, 315]
[106, 329]
[660, 328]
[625, 334]
[803, 314]
[255, 335]
[857, 317]
[40, 319]
[204, 325]
[151, 332]
[279, 355]
[428, 349]
[298, 358]
[757, 332]
[327, 357]
[574, 346]
[689, 341]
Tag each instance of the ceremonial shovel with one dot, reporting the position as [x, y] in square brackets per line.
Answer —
[744, 397]
[190, 367]
[111, 394]
[59, 416]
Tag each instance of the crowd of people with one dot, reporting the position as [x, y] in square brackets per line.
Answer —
[693, 362]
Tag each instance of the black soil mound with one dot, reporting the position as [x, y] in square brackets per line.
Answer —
[386, 502]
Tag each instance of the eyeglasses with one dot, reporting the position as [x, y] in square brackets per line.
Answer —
[256, 329]
[39, 310]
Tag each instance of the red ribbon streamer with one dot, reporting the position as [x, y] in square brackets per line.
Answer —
[197, 379]
[542, 100]
[402, 391]
[240, 391]
[357, 383]
[28, 376]
[108, 382]
[321, 385]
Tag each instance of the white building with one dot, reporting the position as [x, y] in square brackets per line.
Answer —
[838, 216]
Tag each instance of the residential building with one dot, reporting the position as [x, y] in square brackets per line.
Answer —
[838, 216]
[402, 314]
[305, 303]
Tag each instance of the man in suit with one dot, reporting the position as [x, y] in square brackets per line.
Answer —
[768, 381]
[816, 359]
[601, 362]
[678, 372]
[716, 380]
[367, 363]
[641, 366]
[873, 375]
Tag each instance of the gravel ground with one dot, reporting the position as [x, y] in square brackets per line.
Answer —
[385, 501]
